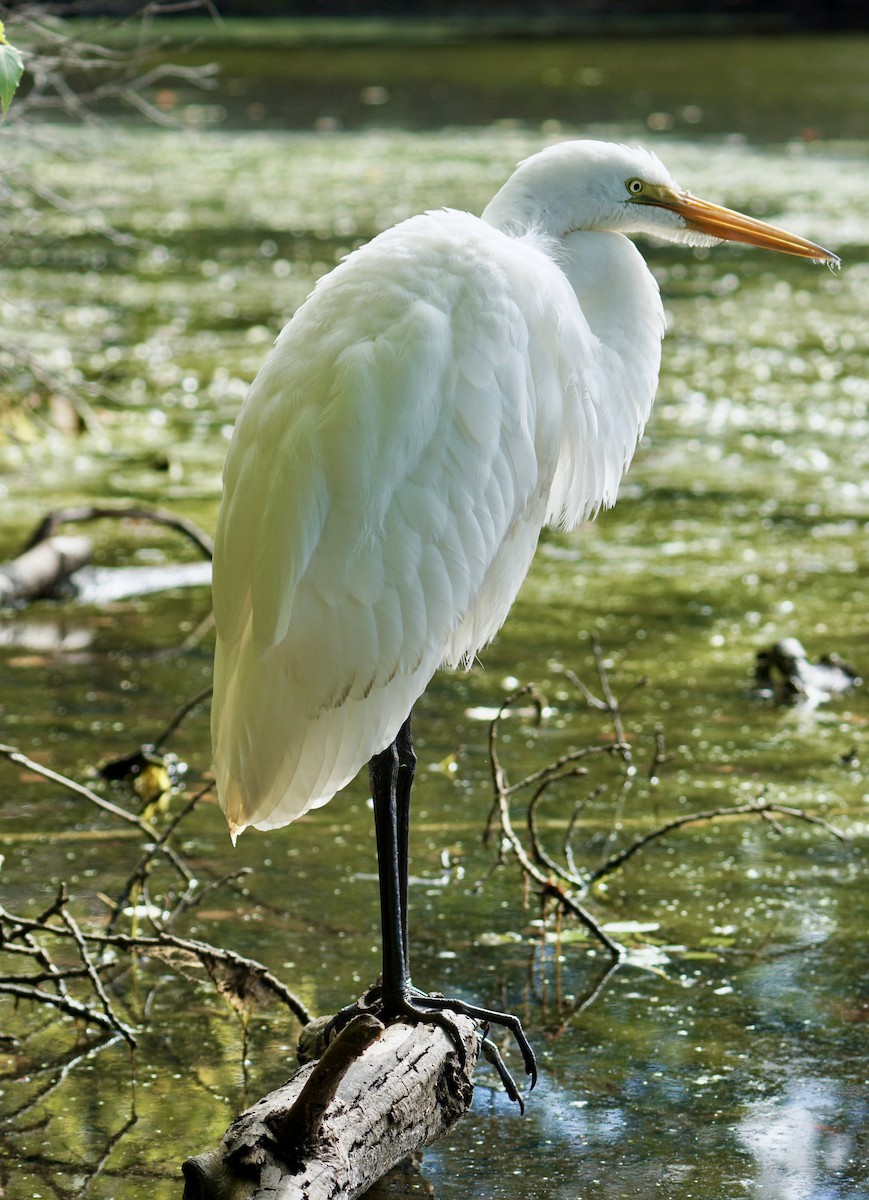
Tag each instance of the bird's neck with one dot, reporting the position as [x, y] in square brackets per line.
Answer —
[621, 305]
[619, 297]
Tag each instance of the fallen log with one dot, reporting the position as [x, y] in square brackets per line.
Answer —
[376, 1095]
[43, 570]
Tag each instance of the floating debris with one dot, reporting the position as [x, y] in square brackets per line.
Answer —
[784, 675]
[151, 774]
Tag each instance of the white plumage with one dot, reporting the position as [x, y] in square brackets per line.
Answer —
[444, 393]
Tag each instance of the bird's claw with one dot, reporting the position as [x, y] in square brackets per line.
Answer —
[489, 1016]
[493, 1056]
[414, 1010]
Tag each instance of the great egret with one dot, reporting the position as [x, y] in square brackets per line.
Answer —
[445, 392]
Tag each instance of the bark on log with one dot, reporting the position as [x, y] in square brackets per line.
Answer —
[43, 569]
[376, 1095]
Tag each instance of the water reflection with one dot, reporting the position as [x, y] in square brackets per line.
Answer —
[804, 1141]
[45, 636]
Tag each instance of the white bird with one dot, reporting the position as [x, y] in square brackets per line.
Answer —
[448, 390]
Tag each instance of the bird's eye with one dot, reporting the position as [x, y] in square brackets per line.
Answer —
[635, 186]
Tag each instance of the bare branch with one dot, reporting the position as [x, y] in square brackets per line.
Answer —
[554, 770]
[181, 715]
[578, 809]
[568, 884]
[532, 871]
[90, 512]
[79, 789]
[539, 853]
[140, 871]
[220, 964]
[751, 809]
[65, 1004]
[97, 984]
[193, 898]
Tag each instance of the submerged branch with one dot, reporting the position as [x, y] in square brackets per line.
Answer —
[140, 872]
[65, 1004]
[93, 975]
[43, 569]
[231, 972]
[530, 869]
[37, 978]
[179, 717]
[236, 976]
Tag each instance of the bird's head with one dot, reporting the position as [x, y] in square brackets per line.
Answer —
[622, 189]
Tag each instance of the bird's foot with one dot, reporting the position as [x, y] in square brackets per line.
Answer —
[417, 1007]
[487, 1017]
[406, 1006]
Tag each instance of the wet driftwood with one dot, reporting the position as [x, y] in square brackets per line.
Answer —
[376, 1095]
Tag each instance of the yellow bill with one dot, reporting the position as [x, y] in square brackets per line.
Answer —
[730, 226]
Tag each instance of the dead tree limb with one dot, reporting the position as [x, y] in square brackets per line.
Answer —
[16, 756]
[236, 977]
[375, 1096]
[66, 1004]
[180, 716]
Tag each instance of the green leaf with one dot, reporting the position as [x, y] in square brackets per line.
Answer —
[11, 70]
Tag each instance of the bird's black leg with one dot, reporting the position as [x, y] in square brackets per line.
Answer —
[406, 769]
[383, 772]
[391, 776]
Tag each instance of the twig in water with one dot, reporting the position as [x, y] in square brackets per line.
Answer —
[140, 871]
[568, 884]
[529, 868]
[180, 716]
[65, 1004]
[233, 974]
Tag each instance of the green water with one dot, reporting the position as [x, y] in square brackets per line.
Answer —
[728, 1058]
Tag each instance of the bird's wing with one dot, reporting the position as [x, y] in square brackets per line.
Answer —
[399, 442]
